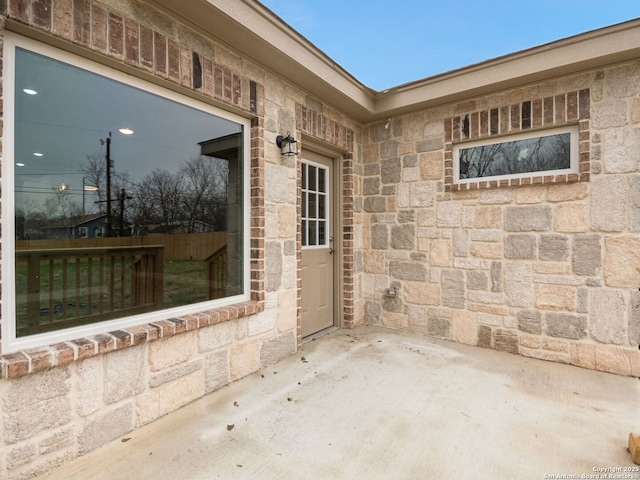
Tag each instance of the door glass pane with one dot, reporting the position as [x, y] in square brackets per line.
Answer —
[313, 205]
[322, 187]
[304, 175]
[322, 229]
[312, 233]
[304, 204]
[322, 203]
[312, 179]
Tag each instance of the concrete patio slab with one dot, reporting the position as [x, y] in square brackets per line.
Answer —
[372, 403]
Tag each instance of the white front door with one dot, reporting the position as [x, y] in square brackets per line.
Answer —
[317, 243]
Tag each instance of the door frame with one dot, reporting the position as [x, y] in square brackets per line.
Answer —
[336, 207]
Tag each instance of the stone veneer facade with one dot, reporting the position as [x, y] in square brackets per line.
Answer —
[545, 269]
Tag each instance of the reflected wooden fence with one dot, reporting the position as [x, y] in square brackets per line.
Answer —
[216, 266]
[62, 288]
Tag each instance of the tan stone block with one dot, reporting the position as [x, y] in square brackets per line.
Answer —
[570, 218]
[424, 244]
[405, 148]
[441, 254]
[566, 192]
[622, 257]
[556, 297]
[489, 217]
[554, 268]
[107, 426]
[530, 195]
[530, 341]
[583, 355]
[466, 195]
[89, 383]
[492, 309]
[169, 352]
[544, 355]
[616, 360]
[397, 321]
[635, 110]
[245, 359]
[555, 345]
[464, 328]
[374, 261]
[287, 223]
[486, 250]
[431, 165]
[421, 293]
[215, 336]
[124, 374]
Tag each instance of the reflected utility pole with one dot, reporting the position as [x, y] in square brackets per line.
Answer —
[108, 199]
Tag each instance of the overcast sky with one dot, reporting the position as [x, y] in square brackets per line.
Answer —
[388, 43]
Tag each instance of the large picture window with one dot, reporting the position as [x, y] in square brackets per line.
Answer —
[129, 202]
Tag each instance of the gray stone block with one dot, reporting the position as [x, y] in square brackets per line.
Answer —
[372, 313]
[371, 186]
[634, 208]
[408, 271]
[217, 372]
[174, 373]
[277, 349]
[403, 237]
[566, 325]
[484, 336]
[379, 237]
[634, 318]
[453, 288]
[393, 304]
[371, 169]
[520, 246]
[406, 216]
[410, 160]
[531, 218]
[496, 276]
[389, 148]
[554, 247]
[429, 145]
[587, 255]
[530, 321]
[380, 131]
[506, 341]
[477, 280]
[438, 326]
[375, 204]
[608, 316]
[390, 170]
[389, 189]
[106, 427]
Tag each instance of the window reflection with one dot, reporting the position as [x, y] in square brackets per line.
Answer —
[125, 201]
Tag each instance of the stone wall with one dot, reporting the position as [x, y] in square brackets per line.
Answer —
[542, 267]
[64, 400]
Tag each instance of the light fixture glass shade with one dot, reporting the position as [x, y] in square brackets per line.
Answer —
[288, 145]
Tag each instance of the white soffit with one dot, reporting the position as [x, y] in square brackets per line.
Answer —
[254, 31]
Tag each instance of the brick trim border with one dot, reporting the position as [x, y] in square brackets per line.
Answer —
[34, 360]
[97, 28]
[532, 115]
[319, 126]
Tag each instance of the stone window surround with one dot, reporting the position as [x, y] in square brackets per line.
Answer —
[190, 71]
[571, 108]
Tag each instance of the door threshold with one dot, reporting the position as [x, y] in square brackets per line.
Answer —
[321, 333]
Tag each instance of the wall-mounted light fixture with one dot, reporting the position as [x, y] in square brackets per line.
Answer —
[288, 145]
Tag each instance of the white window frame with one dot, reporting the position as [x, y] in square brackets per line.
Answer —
[327, 196]
[83, 232]
[573, 130]
[11, 343]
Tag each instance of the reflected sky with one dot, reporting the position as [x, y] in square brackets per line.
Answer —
[74, 110]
